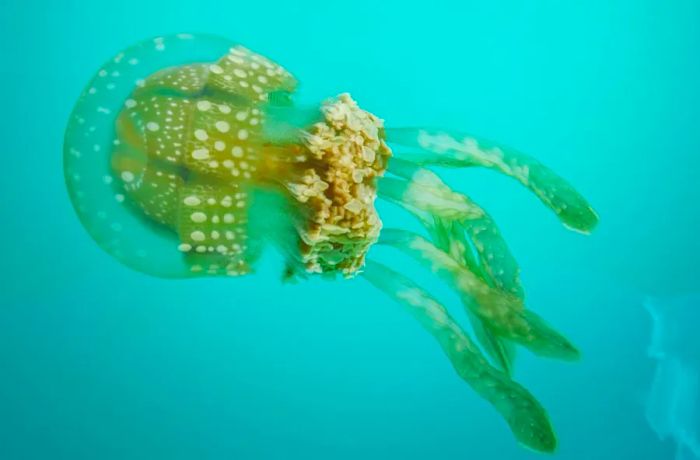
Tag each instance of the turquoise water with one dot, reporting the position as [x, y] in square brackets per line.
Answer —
[98, 361]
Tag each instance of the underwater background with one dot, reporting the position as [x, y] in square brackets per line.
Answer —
[99, 361]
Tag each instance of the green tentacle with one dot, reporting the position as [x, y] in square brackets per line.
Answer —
[525, 416]
[461, 238]
[449, 237]
[435, 199]
[501, 269]
[503, 312]
[458, 150]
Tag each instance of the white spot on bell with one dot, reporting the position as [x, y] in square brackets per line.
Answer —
[198, 217]
[200, 154]
[197, 235]
[222, 126]
[192, 201]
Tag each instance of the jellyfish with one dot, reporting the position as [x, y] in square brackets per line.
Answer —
[186, 155]
[673, 405]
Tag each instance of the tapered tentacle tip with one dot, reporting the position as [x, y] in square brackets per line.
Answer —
[532, 427]
[547, 341]
[561, 350]
[556, 347]
[569, 352]
[582, 219]
[538, 439]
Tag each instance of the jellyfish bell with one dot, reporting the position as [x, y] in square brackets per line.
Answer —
[99, 191]
[169, 143]
[186, 155]
[673, 403]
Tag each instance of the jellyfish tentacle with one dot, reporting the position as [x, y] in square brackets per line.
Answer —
[504, 312]
[449, 237]
[495, 265]
[494, 255]
[502, 271]
[498, 268]
[525, 416]
[459, 150]
[436, 200]
[500, 351]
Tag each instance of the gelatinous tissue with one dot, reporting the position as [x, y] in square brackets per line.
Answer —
[673, 406]
[186, 155]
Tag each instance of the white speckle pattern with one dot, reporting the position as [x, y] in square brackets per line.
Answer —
[200, 154]
[198, 217]
[192, 201]
[167, 129]
[222, 126]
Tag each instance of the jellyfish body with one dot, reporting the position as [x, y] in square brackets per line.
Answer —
[186, 154]
[673, 405]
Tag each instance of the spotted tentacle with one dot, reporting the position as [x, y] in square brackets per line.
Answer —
[525, 416]
[459, 150]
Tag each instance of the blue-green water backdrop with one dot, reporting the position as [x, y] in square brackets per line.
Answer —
[100, 362]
